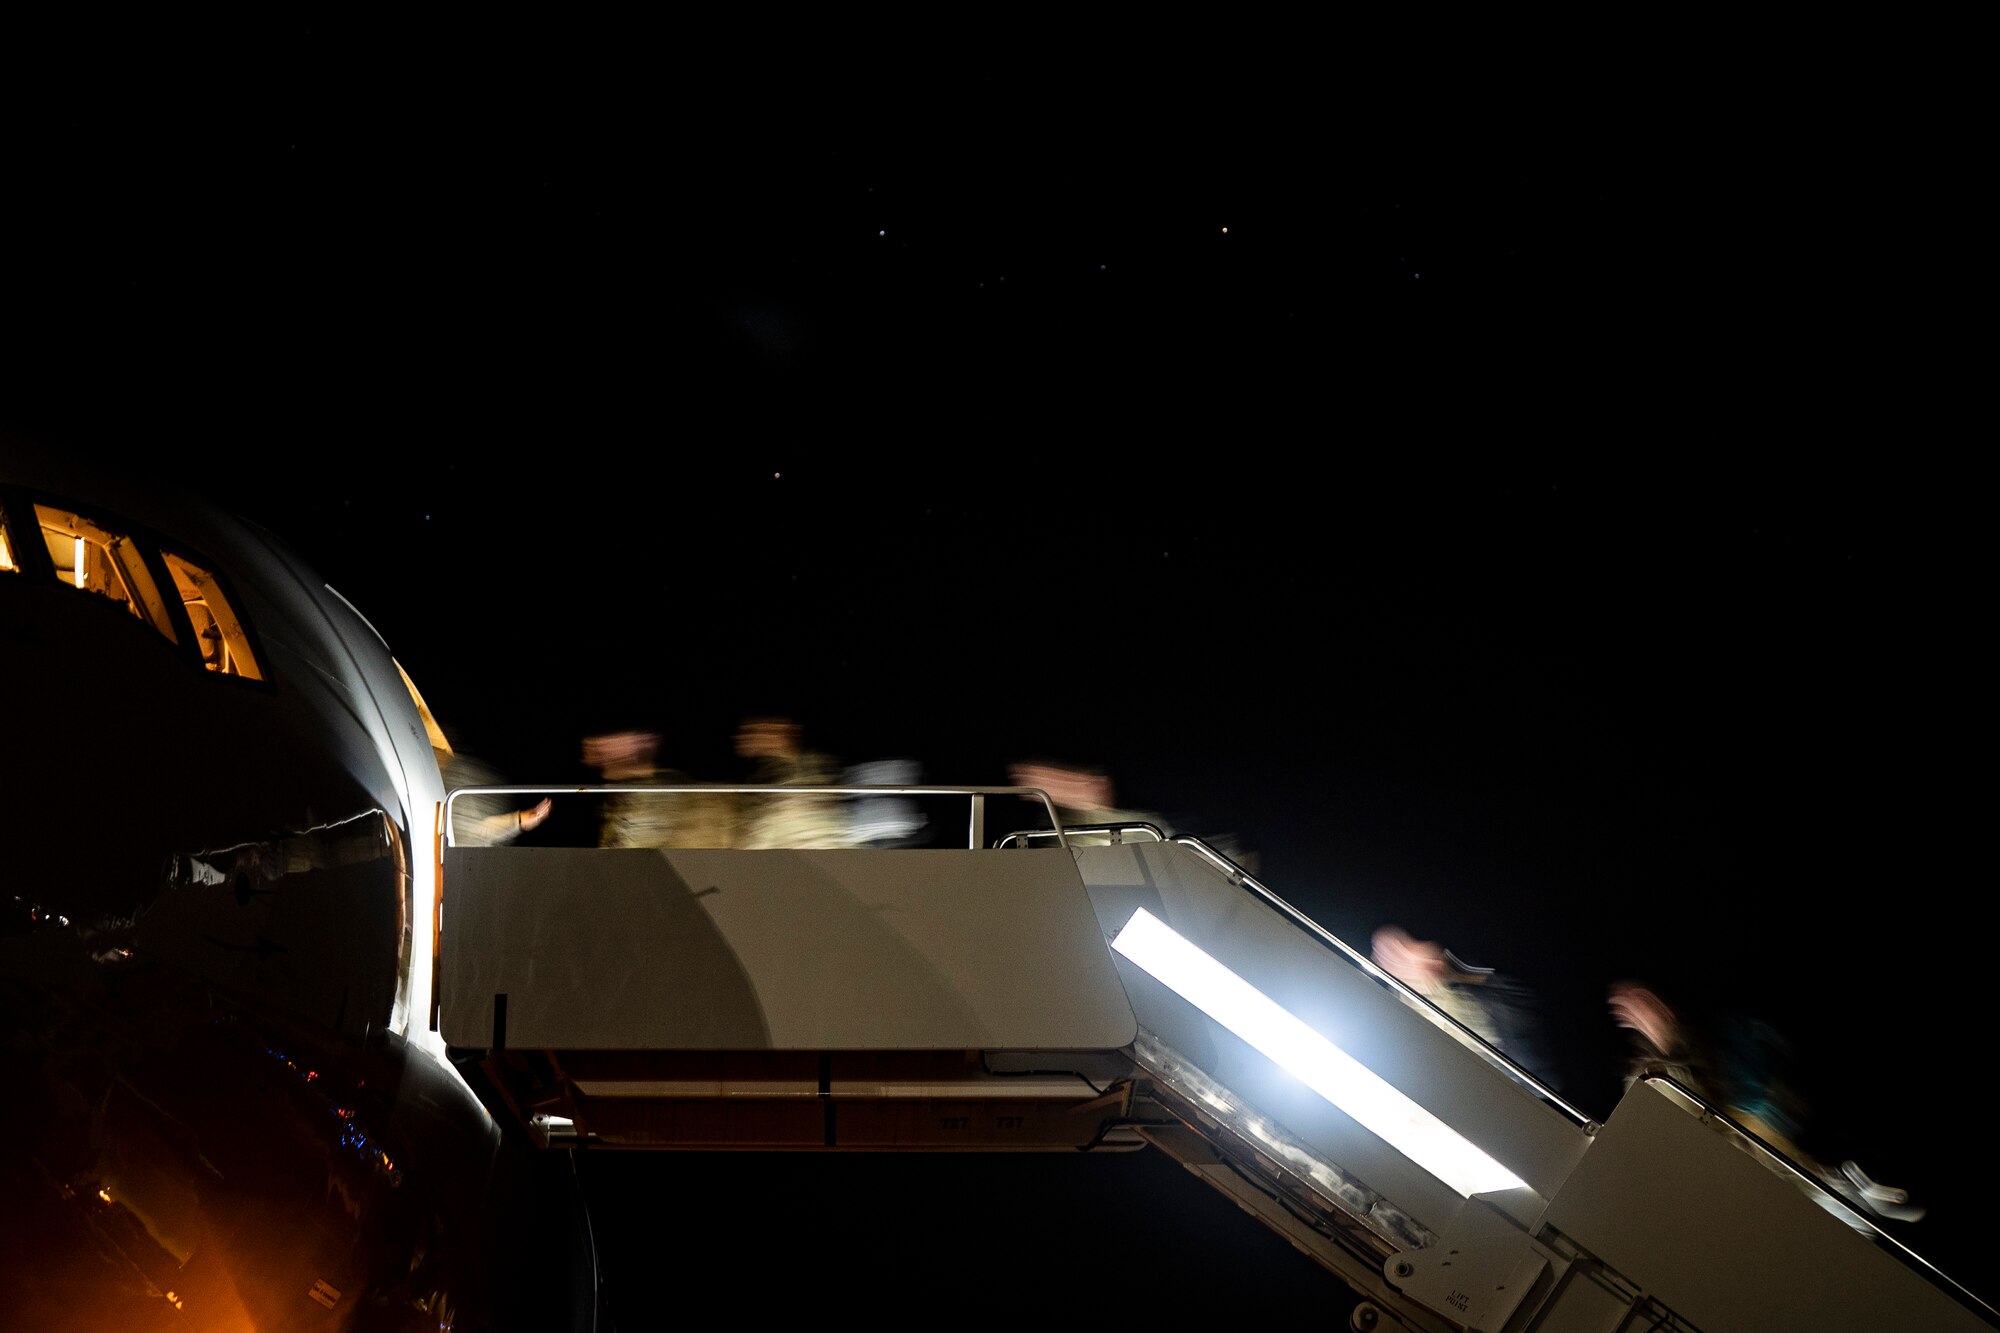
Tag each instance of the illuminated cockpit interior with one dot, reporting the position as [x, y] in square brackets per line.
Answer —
[97, 555]
[224, 645]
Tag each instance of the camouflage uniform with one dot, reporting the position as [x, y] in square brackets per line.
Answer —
[486, 820]
[795, 821]
[668, 819]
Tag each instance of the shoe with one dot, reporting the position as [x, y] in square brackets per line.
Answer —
[1881, 1200]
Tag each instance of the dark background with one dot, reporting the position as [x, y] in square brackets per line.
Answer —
[1529, 519]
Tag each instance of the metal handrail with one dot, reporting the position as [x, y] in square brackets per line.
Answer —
[976, 824]
[1118, 829]
[1245, 880]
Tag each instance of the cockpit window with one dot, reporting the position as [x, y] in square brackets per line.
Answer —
[99, 560]
[225, 648]
[95, 556]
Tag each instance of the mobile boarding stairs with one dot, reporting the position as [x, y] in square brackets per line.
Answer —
[1111, 988]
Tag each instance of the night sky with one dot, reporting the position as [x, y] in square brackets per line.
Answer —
[1516, 522]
